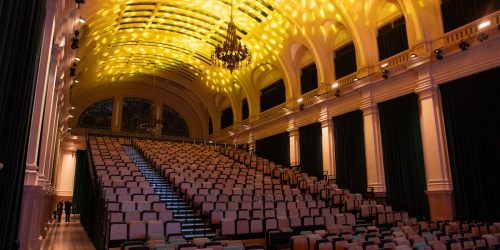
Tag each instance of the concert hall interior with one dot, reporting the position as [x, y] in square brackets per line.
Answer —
[250, 124]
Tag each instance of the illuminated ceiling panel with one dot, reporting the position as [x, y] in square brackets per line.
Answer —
[145, 37]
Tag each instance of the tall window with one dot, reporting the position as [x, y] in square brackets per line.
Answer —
[226, 118]
[97, 116]
[173, 123]
[392, 39]
[456, 13]
[244, 109]
[345, 60]
[272, 95]
[135, 111]
[308, 78]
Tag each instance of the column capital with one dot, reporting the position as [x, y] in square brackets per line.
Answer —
[426, 90]
[291, 126]
[368, 106]
[425, 85]
[326, 123]
[31, 174]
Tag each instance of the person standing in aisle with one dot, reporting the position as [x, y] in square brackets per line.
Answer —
[67, 209]
[60, 205]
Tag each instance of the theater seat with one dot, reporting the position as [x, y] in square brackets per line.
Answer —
[118, 231]
[136, 230]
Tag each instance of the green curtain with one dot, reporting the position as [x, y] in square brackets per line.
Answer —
[308, 79]
[403, 156]
[226, 118]
[311, 155]
[245, 112]
[392, 39]
[456, 13]
[275, 148]
[21, 35]
[471, 111]
[345, 60]
[78, 189]
[272, 95]
[350, 151]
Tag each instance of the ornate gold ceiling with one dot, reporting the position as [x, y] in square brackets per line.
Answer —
[137, 37]
[126, 40]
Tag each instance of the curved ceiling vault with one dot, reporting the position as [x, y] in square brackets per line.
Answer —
[130, 40]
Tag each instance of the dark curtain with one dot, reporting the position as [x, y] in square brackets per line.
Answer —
[78, 188]
[392, 39]
[226, 118]
[311, 155]
[210, 126]
[471, 111]
[272, 95]
[275, 148]
[350, 151]
[403, 156]
[244, 109]
[456, 13]
[345, 60]
[22, 23]
[90, 202]
[308, 79]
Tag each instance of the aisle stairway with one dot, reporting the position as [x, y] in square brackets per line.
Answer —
[192, 225]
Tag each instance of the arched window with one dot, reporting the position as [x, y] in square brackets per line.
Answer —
[97, 116]
[135, 111]
[173, 123]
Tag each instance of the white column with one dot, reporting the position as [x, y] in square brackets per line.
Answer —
[373, 145]
[34, 182]
[294, 143]
[31, 175]
[49, 117]
[328, 147]
[437, 168]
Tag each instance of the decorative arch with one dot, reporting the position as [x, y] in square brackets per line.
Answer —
[97, 115]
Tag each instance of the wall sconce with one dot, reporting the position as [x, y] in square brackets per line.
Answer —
[464, 45]
[438, 53]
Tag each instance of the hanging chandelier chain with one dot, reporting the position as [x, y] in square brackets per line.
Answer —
[232, 54]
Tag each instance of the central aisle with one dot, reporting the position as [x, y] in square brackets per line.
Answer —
[65, 236]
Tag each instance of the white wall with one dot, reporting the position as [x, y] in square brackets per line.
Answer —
[66, 174]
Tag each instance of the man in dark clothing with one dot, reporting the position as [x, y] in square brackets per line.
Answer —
[67, 209]
[60, 205]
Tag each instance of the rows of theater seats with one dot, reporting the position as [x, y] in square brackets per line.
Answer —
[419, 236]
[134, 211]
[246, 196]
[202, 243]
[323, 189]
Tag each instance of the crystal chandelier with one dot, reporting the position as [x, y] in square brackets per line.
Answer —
[232, 54]
[151, 124]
